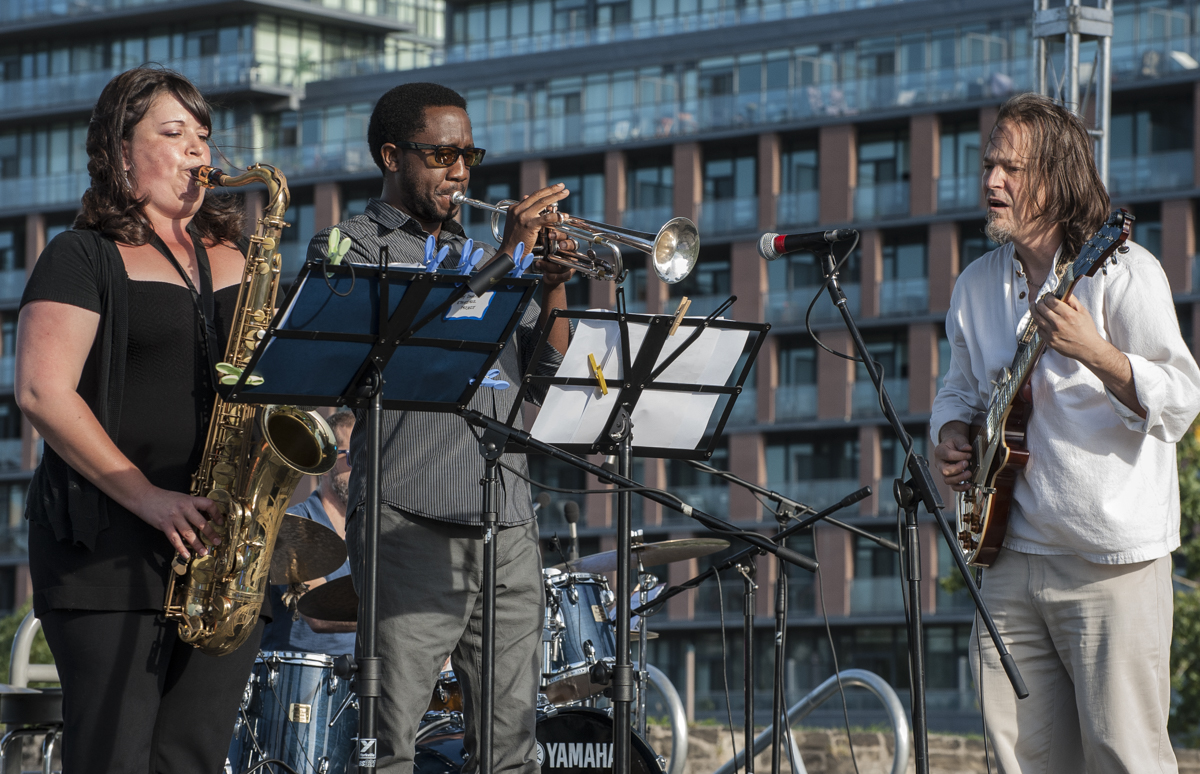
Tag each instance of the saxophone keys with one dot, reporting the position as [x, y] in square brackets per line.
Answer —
[263, 267]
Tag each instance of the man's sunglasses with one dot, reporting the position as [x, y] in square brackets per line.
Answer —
[446, 155]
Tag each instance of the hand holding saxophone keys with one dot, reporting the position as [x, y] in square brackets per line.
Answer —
[187, 521]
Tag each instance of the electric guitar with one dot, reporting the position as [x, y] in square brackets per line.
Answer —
[998, 446]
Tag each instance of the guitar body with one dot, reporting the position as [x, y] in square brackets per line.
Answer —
[998, 445]
[983, 509]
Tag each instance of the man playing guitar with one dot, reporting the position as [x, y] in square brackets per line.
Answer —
[1081, 589]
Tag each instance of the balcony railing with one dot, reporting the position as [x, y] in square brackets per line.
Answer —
[795, 402]
[649, 219]
[818, 492]
[729, 216]
[12, 285]
[864, 401]
[745, 408]
[876, 595]
[701, 306]
[798, 208]
[904, 296]
[1169, 171]
[45, 191]
[49, 10]
[7, 371]
[884, 200]
[958, 193]
[789, 306]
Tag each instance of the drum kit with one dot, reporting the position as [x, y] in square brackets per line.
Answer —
[298, 709]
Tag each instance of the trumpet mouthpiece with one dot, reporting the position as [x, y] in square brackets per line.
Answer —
[458, 197]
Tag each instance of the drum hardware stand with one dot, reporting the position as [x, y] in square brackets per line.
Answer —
[919, 488]
[748, 568]
[788, 509]
[646, 584]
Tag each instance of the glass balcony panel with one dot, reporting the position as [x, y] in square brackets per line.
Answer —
[876, 595]
[795, 402]
[7, 371]
[1150, 172]
[904, 296]
[798, 208]
[713, 500]
[649, 219]
[885, 200]
[958, 193]
[745, 409]
[701, 306]
[45, 191]
[789, 306]
[729, 216]
[819, 492]
[47, 10]
[10, 455]
[864, 401]
[12, 285]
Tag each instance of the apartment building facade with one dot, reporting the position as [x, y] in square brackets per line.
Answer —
[745, 116]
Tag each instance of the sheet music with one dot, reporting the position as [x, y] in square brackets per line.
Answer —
[578, 415]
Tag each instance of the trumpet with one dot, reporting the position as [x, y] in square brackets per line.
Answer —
[673, 250]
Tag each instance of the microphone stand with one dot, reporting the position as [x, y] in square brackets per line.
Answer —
[919, 488]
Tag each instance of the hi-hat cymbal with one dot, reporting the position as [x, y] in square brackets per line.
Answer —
[650, 554]
[332, 601]
[305, 550]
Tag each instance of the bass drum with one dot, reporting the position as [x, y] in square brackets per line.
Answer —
[577, 740]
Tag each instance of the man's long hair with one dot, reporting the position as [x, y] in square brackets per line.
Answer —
[109, 204]
[1060, 170]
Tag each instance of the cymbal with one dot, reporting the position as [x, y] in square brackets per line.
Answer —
[305, 550]
[332, 601]
[650, 554]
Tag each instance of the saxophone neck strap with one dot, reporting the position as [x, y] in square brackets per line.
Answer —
[202, 299]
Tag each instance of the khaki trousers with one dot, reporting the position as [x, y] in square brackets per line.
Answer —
[1093, 642]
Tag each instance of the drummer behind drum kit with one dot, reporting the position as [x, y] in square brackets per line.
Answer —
[300, 709]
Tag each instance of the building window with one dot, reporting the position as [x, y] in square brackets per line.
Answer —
[799, 198]
[905, 287]
[1151, 147]
[730, 191]
[796, 395]
[707, 286]
[876, 587]
[12, 245]
[293, 247]
[882, 174]
[959, 182]
[829, 456]
[890, 351]
[973, 242]
[1147, 228]
[649, 192]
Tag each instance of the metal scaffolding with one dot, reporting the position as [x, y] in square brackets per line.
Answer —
[1076, 23]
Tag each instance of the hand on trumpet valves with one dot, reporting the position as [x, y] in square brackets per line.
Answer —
[524, 223]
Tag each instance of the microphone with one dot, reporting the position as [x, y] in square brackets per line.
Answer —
[771, 246]
[541, 502]
[571, 514]
[489, 275]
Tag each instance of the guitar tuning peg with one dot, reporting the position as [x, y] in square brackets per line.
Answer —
[1124, 248]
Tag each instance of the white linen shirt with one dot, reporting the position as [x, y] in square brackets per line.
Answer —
[1101, 482]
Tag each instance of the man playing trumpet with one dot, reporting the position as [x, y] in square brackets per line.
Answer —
[430, 546]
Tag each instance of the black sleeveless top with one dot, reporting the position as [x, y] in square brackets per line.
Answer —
[161, 430]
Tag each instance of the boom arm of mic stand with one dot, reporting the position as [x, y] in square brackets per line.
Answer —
[712, 522]
[918, 467]
[740, 555]
[774, 496]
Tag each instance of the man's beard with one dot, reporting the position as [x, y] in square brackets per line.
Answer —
[995, 232]
[421, 204]
[341, 489]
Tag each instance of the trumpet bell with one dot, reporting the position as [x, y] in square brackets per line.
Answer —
[675, 250]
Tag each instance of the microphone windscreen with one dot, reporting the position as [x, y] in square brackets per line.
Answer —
[543, 499]
[571, 512]
[766, 246]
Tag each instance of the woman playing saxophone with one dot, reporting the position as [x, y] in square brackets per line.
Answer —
[113, 370]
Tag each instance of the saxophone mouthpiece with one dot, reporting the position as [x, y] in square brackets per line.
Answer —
[207, 177]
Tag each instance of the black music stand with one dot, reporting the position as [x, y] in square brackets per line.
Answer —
[648, 374]
[377, 337]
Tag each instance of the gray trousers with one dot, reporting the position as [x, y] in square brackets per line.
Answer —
[1093, 642]
[430, 607]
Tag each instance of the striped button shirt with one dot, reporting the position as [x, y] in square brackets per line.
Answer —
[431, 464]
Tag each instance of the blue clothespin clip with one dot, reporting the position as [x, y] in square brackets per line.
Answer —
[522, 260]
[470, 258]
[492, 380]
[432, 260]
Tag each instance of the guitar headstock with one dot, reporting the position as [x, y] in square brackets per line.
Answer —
[1097, 251]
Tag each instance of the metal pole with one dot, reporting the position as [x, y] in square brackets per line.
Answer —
[1072, 69]
[622, 680]
[746, 568]
[1104, 102]
[367, 666]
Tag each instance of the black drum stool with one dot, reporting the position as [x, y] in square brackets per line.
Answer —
[27, 711]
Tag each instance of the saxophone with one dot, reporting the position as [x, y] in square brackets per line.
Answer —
[254, 456]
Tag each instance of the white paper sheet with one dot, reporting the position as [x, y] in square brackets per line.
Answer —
[578, 415]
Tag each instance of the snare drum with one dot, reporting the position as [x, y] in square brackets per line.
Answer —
[295, 709]
[576, 635]
[575, 740]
